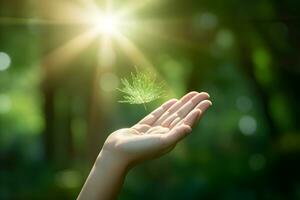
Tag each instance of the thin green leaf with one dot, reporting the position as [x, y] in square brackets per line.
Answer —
[141, 89]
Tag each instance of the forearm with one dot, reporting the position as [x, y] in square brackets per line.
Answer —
[105, 179]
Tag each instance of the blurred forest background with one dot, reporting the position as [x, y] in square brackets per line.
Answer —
[57, 108]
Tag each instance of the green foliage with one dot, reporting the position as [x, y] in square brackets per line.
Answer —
[142, 89]
[245, 54]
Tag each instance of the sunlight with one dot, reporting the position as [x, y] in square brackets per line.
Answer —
[133, 53]
[58, 59]
[108, 24]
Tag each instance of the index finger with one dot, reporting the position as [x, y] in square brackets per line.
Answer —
[153, 116]
[175, 107]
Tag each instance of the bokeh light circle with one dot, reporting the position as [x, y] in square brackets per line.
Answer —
[4, 61]
[247, 125]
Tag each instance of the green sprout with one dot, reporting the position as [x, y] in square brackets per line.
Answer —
[142, 89]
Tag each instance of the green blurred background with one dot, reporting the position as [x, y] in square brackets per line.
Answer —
[55, 113]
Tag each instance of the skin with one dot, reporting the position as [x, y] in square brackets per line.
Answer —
[152, 137]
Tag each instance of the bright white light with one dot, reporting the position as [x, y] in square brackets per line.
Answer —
[247, 125]
[108, 24]
[4, 61]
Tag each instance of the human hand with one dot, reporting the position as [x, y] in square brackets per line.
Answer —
[159, 131]
[153, 136]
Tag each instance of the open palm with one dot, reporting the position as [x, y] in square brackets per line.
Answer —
[159, 131]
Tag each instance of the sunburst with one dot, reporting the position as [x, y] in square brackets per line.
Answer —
[100, 21]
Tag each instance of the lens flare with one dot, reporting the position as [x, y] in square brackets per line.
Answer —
[108, 24]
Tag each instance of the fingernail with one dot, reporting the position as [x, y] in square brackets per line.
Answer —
[205, 105]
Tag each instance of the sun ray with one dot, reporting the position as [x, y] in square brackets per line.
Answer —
[35, 21]
[161, 35]
[132, 51]
[166, 30]
[138, 58]
[106, 57]
[62, 11]
[58, 13]
[87, 14]
[56, 61]
[136, 6]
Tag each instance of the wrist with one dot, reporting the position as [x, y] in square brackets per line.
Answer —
[105, 179]
[109, 161]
